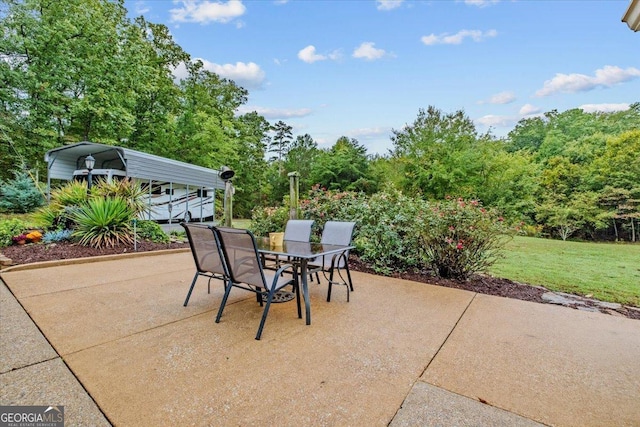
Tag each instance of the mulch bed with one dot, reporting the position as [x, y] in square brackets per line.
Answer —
[30, 253]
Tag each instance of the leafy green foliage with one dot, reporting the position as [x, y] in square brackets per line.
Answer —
[104, 222]
[268, 220]
[151, 230]
[387, 234]
[9, 228]
[462, 238]
[20, 195]
[127, 189]
[64, 202]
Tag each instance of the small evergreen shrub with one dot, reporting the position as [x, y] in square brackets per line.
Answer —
[56, 236]
[9, 228]
[104, 222]
[150, 230]
[20, 195]
[462, 238]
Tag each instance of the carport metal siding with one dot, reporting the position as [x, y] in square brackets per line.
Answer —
[64, 160]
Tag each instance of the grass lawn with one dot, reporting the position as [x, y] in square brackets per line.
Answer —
[607, 271]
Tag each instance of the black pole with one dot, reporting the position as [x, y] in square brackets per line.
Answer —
[89, 177]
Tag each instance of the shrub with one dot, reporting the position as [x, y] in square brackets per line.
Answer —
[104, 222]
[150, 230]
[268, 220]
[9, 228]
[462, 238]
[64, 202]
[20, 195]
[387, 236]
[323, 206]
[56, 236]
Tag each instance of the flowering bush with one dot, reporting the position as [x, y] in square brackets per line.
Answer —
[462, 238]
[323, 206]
[268, 220]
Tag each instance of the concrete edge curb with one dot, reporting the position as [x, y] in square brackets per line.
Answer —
[85, 260]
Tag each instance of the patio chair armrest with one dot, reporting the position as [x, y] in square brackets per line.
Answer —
[285, 267]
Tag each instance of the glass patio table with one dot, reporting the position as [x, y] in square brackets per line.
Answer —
[300, 253]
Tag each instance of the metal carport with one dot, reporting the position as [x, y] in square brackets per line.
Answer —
[63, 161]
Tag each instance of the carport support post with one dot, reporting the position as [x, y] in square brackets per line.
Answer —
[294, 193]
[228, 202]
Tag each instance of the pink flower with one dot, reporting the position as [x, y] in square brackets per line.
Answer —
[474, 203]
[500, 219]
[452, 228]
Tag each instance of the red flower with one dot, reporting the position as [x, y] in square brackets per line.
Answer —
[459, 246]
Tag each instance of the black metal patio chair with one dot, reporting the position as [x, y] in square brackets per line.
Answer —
[244, 269]
[206, 255]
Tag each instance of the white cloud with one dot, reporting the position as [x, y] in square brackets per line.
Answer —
[571, 83]
[458, 38]
[366, 133]
[207, 11]
[248, 75]
[367, 51]
[309, 55]
[528, 110]
[500, 121]
[388, 4]
[500, 98]
[276, 113]
[141, 8]
[480, 3]
[603, 108]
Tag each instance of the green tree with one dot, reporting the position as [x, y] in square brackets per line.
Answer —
[281, 140]
[441, 154]
[345, 166]
[300, 158]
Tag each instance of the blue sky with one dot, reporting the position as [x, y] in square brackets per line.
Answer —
[360, 68]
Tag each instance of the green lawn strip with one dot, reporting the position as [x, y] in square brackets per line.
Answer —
[608, 271]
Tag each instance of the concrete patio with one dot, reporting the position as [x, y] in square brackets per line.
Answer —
[111, 341]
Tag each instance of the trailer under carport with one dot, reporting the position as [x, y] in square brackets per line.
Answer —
[63, 161]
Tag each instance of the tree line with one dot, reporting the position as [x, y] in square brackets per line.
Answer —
[81, 70]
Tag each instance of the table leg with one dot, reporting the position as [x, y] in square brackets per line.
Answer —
[305, 289]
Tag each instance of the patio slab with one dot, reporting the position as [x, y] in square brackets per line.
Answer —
[51, 383]
[146, 360]
[22, 343]
[427, 405]
[551, 364]
[400, 352]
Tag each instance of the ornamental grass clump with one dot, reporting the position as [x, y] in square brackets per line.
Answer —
[104, 222]
[462, 238]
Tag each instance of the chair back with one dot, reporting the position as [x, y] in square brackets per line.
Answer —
[338, 233]
[298, 230]
[241, 256]
[204, 248]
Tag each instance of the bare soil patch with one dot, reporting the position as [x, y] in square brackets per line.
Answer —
[30, 253]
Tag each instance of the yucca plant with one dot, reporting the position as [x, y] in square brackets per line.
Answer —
[103, 222]
[126, 189]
